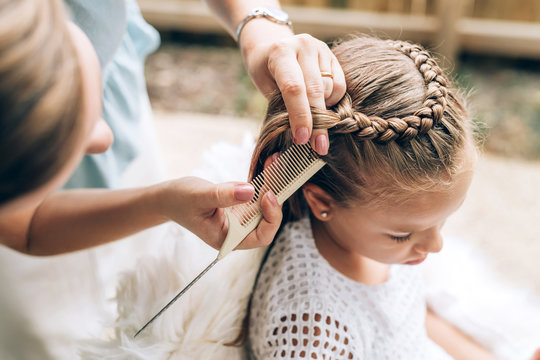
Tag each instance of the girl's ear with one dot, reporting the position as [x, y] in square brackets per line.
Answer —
[320, 203]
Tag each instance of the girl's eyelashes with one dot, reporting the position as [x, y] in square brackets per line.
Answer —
[400, 239]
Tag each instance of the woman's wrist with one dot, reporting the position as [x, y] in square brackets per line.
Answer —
[261, 30]
[176, 200]
[158, 199]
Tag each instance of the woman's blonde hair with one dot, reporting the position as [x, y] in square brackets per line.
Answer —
[40, 94]
[400, 128]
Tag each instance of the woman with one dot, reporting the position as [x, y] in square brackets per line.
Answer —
[44, 51]
[51, 98]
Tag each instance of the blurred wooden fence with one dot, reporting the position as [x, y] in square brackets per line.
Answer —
[503, 27]
[520, 10]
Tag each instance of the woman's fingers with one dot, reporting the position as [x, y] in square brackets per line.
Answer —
[339, 87]
[319, 141]
[283, 65]
[307, 74]
[312, 62]
[319, 84]
[269, 225]
[272, 215]
[222, 195]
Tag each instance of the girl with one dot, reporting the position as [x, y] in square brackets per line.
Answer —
[328, 289]
[339, 281]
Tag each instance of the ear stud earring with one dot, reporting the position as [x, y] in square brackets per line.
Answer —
[324, 214]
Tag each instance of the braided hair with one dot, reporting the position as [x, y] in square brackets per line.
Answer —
[401, 127]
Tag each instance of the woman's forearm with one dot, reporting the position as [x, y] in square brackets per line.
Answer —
[78, 219]
[453, 341]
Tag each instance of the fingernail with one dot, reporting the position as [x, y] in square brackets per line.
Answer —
[321, 144]
[301, 136]
[243, 192]
[272, 198]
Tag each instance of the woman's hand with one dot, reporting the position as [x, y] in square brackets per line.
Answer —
[278, 60]
[198, 205]
[293, 65]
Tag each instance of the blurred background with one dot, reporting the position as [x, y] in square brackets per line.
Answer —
[492, 48]
[201, 94]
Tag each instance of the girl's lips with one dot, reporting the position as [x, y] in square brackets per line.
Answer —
[416, 262]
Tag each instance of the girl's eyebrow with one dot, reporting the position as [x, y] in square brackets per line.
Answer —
[405, 228]
[401, 226]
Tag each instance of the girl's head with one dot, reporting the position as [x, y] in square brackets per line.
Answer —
[50, 96]
[400, 157]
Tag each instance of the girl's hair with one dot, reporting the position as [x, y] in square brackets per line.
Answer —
[40, 94]
[400, 128]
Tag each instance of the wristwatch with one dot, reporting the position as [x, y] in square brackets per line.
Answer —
[276, 15]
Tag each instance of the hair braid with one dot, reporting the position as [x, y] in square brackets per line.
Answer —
[382, 130]
[400, 118]
[436, 82]
[373, 127]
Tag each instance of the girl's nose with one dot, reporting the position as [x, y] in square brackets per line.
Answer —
[431, 242]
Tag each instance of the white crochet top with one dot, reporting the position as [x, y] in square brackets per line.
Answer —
[303, 308]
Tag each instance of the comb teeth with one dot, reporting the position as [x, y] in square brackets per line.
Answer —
[283, 177]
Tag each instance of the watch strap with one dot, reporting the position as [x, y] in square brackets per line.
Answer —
[261, 12]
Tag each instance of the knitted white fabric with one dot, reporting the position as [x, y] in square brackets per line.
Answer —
[303, 308]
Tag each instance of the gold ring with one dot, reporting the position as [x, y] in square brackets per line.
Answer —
[327, 74]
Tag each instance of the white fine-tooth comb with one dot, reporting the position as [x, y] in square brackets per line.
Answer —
[283, 177]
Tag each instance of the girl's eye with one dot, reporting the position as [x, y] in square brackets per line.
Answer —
[400, 239]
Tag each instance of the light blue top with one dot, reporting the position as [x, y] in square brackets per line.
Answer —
[122, 40]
